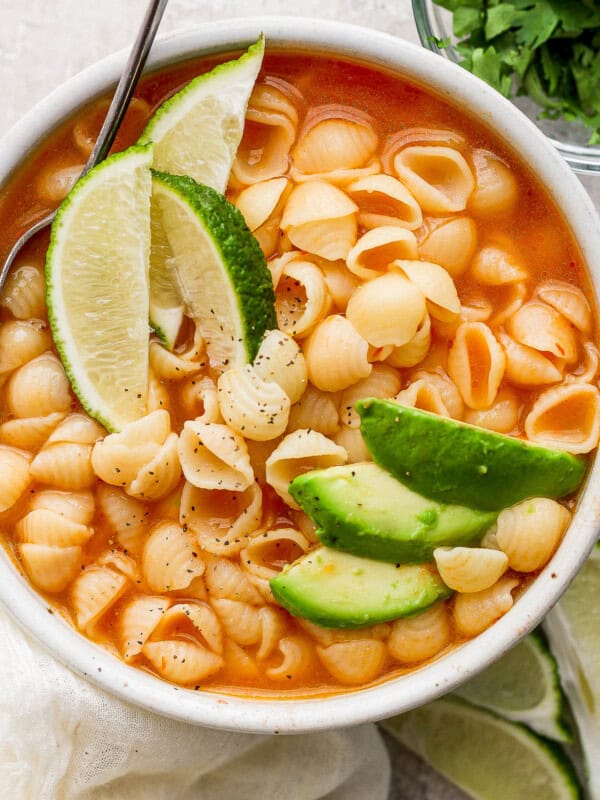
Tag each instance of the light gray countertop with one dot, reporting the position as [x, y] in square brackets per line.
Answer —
[43, 43]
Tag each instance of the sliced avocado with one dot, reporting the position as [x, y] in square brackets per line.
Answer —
[453, 462]
[362, 509]
[338, 590]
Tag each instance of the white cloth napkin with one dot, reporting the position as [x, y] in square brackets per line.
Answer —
[61, 738]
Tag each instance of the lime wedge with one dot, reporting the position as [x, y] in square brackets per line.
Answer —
[97, 287]
[488, 757]
[219, 267]
[573, 631]
[197, 131]
[523, 686]
[166, 306]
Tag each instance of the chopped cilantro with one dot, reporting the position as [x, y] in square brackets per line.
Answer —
[547, 49]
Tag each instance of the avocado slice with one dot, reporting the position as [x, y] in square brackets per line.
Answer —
[362, 509]
[453, 462]
[338, 590]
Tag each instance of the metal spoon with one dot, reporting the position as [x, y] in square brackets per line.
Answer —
[114, 116]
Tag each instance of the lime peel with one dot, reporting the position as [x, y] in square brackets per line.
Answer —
[97, 287]
[221, 271]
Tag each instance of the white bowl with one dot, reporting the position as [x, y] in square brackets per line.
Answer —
[424, 684]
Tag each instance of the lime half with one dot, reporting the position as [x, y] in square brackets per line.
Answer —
[523, 686]
[197, 131]
[488, 757]
[97, 287]
[573, 630]
[220, 270]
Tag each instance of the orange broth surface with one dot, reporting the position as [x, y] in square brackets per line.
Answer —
[537, 228]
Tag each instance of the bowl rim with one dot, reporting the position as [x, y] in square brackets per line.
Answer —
[584, 159]
[395, 695]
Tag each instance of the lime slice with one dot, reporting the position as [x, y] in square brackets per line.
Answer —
[166, 305]
[523, 686]
[97, 287]
[488, 757]
[220, 269]
[573, 631]
[197, 131]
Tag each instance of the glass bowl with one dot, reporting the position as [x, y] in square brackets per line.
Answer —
[434, 25]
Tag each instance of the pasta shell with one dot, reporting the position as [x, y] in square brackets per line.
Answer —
[297, 659]
[387, 310]
[384, 200]
[94, 592]
[42, 526]
[240, 620]
[439, 178]
[198, 619]
[589, 369]
[279, 359]
[424, 395]
[418, 136]
[316, 410]
[76, 506]
[378, 248]
[170, 560]
[354, 662]
[478, 308]
[469, 569]
[77, 428]
[259, 201]
[526, 366]
[65, 465]
[252, 407]
[272, 631]
[320, 219]
[222, 520]
[423, 636]
[451, 244]
[529, 532]
[336, 355]
[330, 143]
[227, 580]
[508, 301]
[120, 562]
[50, 568]
[300, 452]
[137, 620]
[474, 612]
[353, 443]
[127, 518]
[496, 188]
[497, 266]
[29, 433]
[158, 397]
[161, 474]
[476, 364]
[502, 416]
[415, 350]
[437, 286]
[181, 661]
[543, 328]
[14, 475]
[383, 381]
[267, 554]
[238, 663]
[566, 417]
[302, 298]
[172, 367]
[339, 281]
[569, 301]
[39, 388]
[22, 341]
[200, 400]
[24, 294]
[448, 390]
[270, 131]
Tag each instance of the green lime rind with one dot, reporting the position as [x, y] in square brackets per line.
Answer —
[574, 636]
[221, 271]
[524, 686]
[453, 462]
[197, 131]
[339, 590]
[97, 287]
[486, 756]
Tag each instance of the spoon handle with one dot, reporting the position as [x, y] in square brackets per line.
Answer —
[114, 117]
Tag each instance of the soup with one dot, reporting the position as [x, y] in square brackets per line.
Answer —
[399, 232]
